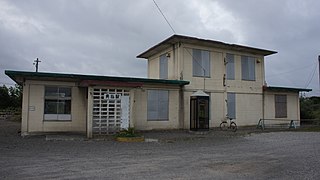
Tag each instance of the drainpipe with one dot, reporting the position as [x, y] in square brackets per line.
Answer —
[264, 86]
[224, 83]
[263, 100]
[174, 61]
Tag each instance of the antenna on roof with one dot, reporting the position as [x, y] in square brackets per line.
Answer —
[36, 63]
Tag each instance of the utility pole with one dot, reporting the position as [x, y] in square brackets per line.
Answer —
[36, 63]
[319, 68]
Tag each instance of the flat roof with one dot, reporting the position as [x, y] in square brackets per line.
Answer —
[285, 89]
[19, 76]
[205, 42]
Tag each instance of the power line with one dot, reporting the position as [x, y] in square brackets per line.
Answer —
[305, 67]
[313, 73]
[204, 70]
[174, 32]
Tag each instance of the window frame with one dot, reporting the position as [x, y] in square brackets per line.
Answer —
[58, 99]
[200, 63]
[248, 62]
[230, 66]
[280, 103]
[163, 66]
[156, 105]
[231, 105]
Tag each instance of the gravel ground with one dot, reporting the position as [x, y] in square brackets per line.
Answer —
[177, 155]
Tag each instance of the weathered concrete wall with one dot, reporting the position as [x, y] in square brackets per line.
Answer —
[33, 109]
[139, 118]
[293, 106]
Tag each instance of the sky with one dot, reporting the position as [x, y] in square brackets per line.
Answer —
[103, 37]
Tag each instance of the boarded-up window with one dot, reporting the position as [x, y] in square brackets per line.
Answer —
[231, 104]
[57, 103]
[248, 68]
[201, 63]
[163, 64]
[158, 105]
[230, 66]
[280, 106]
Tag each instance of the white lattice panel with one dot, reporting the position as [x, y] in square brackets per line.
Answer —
[107, 110]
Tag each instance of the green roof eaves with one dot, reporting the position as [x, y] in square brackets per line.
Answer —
[13, 74]
[273, 88]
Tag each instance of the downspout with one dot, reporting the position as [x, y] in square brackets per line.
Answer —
[224, 83]
[27, 108]
[263, 100]
[264, 86]
[174, 61]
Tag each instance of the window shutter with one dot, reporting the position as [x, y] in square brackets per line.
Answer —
[158, 105]
[230, 66]
[231, 104]
[201, 63]
[163, 64]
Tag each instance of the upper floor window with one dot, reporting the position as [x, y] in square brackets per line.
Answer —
[163, 64]
[57, 103]
[248, 68]
[201, 63]
[230, 66]
[280, 106]
[158, 105]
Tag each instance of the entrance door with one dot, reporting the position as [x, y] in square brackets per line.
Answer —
[108, 105]
[199, 113]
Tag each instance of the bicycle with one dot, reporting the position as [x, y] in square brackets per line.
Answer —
[224, 126]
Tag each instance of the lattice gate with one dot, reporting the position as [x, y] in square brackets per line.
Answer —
[107, 110]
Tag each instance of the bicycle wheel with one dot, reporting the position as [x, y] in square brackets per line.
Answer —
[224, 126]
[233, 126]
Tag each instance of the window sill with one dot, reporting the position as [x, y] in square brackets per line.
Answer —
[248, 80]
[157, 120]
[202, 76]
[57, 120]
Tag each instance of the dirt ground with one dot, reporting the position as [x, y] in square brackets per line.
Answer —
[178, 155]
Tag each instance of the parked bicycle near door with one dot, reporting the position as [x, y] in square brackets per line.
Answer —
[224, 126]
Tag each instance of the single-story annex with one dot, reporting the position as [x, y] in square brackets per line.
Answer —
[179, 69]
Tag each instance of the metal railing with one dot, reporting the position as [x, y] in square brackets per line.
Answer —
[282, 123]
[310, 122]
[10, 114]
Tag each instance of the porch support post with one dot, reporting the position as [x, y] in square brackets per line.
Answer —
[131, 113]
[89, 112]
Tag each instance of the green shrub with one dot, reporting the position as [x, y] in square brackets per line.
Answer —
[130, 132]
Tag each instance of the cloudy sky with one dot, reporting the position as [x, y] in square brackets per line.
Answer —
[104, 36]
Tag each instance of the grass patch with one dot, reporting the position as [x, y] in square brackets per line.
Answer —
[310, 129]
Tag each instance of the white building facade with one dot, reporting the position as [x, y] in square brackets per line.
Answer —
[232, 75]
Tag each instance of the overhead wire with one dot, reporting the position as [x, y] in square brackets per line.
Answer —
[311, 75]
[292, 70]
[174, 32]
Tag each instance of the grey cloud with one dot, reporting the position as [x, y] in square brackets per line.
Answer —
[103, 37]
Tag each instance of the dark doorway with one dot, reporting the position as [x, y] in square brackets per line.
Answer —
[199, 111]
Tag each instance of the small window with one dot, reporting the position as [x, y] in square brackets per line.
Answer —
[248, 68]
[280, 106]
[163, 64]
[231, 105]
[158, 105]
[201, 63]
[57, 104]
[230, 66]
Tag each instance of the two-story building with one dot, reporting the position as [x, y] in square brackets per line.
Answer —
[232, 76]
